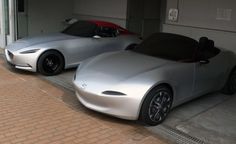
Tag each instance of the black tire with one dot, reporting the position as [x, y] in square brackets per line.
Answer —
[156, 105]
[230, 86]
[50, 63]
[131, 47]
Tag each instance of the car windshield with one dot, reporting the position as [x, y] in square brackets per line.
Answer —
[81, 28]
[168, 46]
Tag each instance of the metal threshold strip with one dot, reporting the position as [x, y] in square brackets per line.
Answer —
[60, 82]
[176, 136]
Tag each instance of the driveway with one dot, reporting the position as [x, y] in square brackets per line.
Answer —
[35, 111]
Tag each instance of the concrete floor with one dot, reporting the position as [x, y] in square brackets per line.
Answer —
[209, 119]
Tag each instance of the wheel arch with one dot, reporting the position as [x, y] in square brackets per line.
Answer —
[130, 46]
[151, 88]
[233, 68]
[229, 71]
[55, 50]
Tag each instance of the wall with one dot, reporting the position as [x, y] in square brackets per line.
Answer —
[46, 16]
[108, 10]
[2, 25]
[213, 18]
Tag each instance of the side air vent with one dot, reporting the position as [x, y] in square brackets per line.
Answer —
[10, 54]
[113, 93]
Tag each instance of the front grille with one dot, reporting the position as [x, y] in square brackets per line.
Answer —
[10, 54]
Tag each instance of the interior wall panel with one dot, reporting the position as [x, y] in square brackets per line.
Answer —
[215, 19]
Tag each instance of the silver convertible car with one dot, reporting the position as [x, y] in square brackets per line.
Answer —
[145, 83]
[50, 54]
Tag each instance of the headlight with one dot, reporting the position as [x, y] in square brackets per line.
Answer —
[29, 51]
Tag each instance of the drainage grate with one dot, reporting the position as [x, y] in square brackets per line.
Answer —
[177, 136]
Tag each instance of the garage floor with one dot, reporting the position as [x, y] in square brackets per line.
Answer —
[209, 119]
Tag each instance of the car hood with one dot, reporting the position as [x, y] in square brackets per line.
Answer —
[31, 41]
[111, 69]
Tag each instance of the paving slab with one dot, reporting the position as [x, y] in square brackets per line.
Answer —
[1, 51]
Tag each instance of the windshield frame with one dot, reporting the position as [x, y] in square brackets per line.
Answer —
[81, 29]
[169, 46]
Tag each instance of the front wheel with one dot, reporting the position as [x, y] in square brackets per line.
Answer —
[156, 105]
[50, 63]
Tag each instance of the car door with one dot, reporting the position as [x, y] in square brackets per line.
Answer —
[209, 74]
[82, 48]
[108, 38]
[183, 76]
[104, 40]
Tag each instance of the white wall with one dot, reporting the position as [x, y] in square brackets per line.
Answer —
[46, 16]
[2, 25]
[215, 19]
[109, 10]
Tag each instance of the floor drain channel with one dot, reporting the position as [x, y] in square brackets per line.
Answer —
[178, 136]
[62, 83]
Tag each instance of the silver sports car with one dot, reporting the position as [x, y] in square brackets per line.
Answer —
[50, 54]
[145, 83]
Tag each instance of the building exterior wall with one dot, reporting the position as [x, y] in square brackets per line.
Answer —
[7, 22]
[2, 25]
[215, 19]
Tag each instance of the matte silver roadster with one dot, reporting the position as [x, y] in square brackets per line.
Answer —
[50, 54]
[145, 83]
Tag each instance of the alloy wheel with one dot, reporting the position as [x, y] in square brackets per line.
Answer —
[51, 63]
[159, 106]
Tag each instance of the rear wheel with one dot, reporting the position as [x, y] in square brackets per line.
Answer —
[230, 87]
[50, 63]
[156, 105]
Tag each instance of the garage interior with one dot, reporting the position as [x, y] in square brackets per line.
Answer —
[36, 17]
[209, 119]
[214, 19]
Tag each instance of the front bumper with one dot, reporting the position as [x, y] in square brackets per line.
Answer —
[125, 107]
[22, 61]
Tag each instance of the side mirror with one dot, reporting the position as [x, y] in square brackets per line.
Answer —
[204, 61]
[97, 37]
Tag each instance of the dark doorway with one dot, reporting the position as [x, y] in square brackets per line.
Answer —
[144, 17]
[22, 18]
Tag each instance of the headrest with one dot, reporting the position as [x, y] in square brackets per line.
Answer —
[205, 43]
